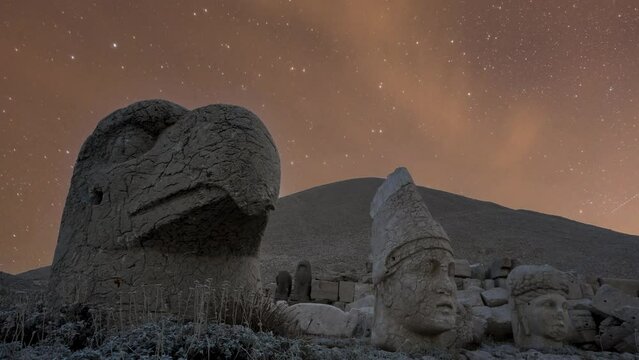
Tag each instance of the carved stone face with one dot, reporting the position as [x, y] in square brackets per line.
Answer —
[420, 293]
[546, 316]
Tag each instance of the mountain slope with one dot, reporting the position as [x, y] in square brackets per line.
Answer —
[329, 225]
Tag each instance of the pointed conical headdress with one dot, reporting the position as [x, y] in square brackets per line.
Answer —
[401, 217]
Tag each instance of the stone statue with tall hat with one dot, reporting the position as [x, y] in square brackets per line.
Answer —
[413, 271]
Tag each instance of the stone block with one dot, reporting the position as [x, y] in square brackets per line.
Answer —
[462, 268]
[362, 290]
[500, 268]
[628, 286]
[500, 323]
[469, 283]
[322, 320]
[346, 291]
[488, 284]
[501, 283]
[495, 297]
[480, 316]
[470, 297]
[612, 335]
[459, 283]
[324, 290]
[478, 271]
[611, 301]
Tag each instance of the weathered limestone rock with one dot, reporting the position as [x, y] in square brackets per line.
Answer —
[413, 270]
[303, 282]
[284, 283]
[629, 286]
[471, 283]
[478, 271]
[325, 290]
[462, 268]
[346, 291]
[500, 322]
[617, 335]
[164, 195]
[539, 307]
[611, 301]
[488, 284]
[327, 320]
[500, 268]
[495, 297]
[470, 297]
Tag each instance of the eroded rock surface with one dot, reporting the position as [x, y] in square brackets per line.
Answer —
[161, 195]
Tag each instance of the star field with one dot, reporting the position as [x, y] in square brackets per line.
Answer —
[529, 104]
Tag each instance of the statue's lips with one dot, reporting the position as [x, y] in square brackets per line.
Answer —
[181, 200]
[445, 305]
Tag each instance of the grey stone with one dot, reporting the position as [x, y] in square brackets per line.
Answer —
[500, 268]
[495, 297]
[284, 283]
[628, 286]
[322, 320]
[462, 268]
[166, 196]
[501, 283]
[611, 301]
[478, 271]
[470, 297]
[346, 291]
[325, 290]
[303, 282]
[488, 284]
[478, 355]
[471, 283]
[500, 323]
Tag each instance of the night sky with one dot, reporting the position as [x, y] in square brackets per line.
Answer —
[529, 104]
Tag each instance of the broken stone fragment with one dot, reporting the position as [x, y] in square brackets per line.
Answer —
[495, 297]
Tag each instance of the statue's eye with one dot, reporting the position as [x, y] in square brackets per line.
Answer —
[131, 142]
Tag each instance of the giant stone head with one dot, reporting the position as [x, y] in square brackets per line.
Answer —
[166, 196]
[413, 271]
